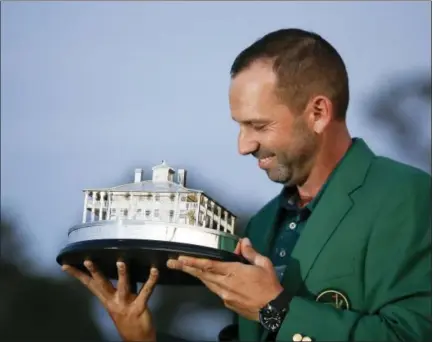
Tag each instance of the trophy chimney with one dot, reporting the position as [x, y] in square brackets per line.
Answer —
[138, 175]
[181, 177]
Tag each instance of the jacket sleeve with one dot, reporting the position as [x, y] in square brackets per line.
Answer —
[398, 275]
[230, 333]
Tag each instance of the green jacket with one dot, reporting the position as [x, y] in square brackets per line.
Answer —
[369, 240]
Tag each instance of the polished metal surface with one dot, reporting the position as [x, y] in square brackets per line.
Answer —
[157, 231]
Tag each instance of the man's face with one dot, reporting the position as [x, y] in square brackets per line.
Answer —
[281, 140]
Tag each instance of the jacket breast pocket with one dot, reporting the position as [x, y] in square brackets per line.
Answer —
[344, 284]
[327, 271]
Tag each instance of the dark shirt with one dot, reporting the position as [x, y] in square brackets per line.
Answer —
[291, 221]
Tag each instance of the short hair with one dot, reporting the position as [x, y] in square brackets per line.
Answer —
[305, 65]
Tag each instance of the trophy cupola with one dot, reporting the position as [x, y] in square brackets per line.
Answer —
[162, 173]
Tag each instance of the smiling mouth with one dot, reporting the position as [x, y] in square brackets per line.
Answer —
[265, 162]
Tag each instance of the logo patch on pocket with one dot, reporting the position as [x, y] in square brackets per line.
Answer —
[335, 298]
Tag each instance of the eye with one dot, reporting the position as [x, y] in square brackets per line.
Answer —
[258, 127]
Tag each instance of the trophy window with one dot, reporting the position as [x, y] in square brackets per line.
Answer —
[138, 214]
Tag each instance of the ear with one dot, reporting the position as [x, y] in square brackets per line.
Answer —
[320, 113]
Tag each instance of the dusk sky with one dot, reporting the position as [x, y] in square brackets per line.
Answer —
[91, 91]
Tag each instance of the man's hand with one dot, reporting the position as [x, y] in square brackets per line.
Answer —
[128, 311]
[243, 288]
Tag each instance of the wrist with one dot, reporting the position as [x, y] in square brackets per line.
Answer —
[149, 336]
[146, 338]
[277, 293]
[282, 300]
[272, 315]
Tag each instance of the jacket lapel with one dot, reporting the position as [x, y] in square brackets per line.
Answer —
[333, 206]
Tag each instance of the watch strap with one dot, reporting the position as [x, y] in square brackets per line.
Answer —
[276, 308]
[282, 301]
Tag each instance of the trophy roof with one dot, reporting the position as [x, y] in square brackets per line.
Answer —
[149, 186]
[163, 165]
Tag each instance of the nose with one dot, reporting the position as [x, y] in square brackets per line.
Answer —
[246, 145]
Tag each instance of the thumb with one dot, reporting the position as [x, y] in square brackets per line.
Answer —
[249, 253]
[237, 250]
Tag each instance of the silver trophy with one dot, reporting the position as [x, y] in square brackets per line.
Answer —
[146, 222]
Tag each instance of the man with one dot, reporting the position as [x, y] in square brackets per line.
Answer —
[343, 253]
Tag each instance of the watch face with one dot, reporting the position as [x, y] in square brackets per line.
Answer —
[270, 318]
[272, 323]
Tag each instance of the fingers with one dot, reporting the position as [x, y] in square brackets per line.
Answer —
[237, 250]
[215, 289]
[77, 274]
[249, 253]
[86, 280]
[94, 272]
[123, 281]
[226, 295]
[100, 283]
[205, 265]
[202, 274]
[147, 289]
[96, 282]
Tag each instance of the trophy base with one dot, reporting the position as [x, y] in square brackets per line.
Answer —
[140, 256]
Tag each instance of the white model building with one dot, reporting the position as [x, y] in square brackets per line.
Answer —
[161, 208]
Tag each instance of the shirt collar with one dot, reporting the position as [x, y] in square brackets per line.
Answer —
[289, 196]
[289, 199]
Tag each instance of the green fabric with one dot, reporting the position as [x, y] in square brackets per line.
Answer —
[369, 237]
[285, 238]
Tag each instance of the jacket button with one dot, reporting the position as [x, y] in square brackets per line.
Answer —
[306, 339]
[297, 338]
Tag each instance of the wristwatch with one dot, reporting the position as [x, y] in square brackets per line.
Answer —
[272, 315]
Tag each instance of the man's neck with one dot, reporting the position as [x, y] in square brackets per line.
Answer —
[332, 151]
